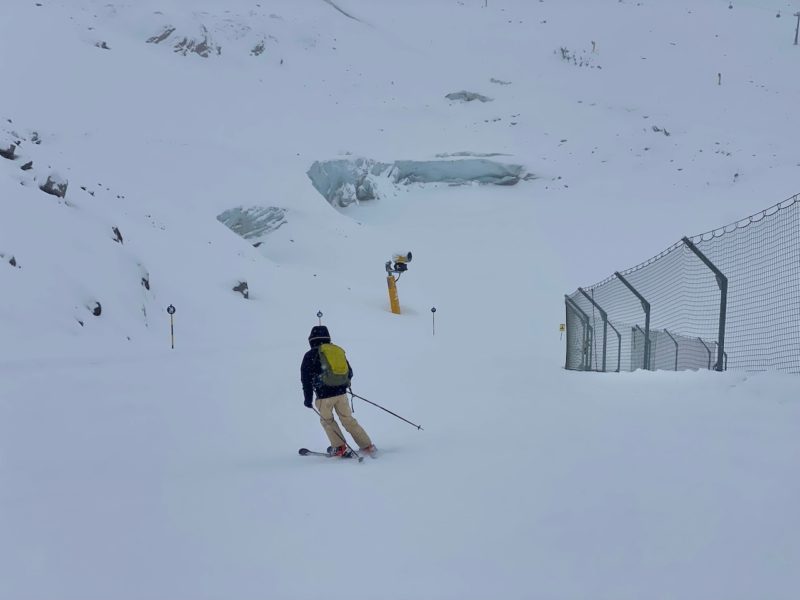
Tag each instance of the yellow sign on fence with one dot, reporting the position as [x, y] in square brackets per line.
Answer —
[562, 328]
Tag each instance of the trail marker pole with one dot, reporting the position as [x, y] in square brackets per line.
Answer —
[797, 29]
[433, 319]
[171, 311]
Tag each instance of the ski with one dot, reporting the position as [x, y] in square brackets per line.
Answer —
[307, 452]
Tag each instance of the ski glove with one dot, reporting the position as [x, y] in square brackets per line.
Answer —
[307, 403]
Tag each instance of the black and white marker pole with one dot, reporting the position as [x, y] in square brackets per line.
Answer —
[319, 316]
[433, 319]
[171, 311]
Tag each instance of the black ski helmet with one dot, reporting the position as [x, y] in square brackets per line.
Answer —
[319, 335]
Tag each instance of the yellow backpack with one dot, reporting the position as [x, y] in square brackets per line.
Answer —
[335, 370]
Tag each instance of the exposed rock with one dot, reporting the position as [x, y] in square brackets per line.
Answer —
[157, 39]
[102, 45]
[55, 186]
[242, 289]
[258, 49]
[97, 310]
[464, 96]
[146, 282]
[9, 152]
[12, 261]
[202, 48]
[27, 166]
[117, 234]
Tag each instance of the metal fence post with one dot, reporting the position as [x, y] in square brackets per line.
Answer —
[722, 282]
[566, 328]
[586, 360]
[604, 316]
[647, 366]
[619, 346]
[725, 356]
[646, 308]
[709, 353]
[676, 347]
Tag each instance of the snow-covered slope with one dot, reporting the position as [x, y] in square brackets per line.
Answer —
[130, 470]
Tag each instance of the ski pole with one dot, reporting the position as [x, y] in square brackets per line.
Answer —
[387, 410]
[357, 455]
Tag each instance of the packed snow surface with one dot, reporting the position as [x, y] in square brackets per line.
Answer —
[187, 134]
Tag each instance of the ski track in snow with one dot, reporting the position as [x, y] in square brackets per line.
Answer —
[345, 13]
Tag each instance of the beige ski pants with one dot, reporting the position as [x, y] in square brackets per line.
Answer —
[326, 406]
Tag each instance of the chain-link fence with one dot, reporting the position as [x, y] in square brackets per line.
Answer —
[727, 298]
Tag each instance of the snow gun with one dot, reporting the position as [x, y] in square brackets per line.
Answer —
[398, 265]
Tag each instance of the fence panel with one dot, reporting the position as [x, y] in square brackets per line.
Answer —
[731, 293]
[577, 339]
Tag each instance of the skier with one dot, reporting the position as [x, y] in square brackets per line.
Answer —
[326, 371]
